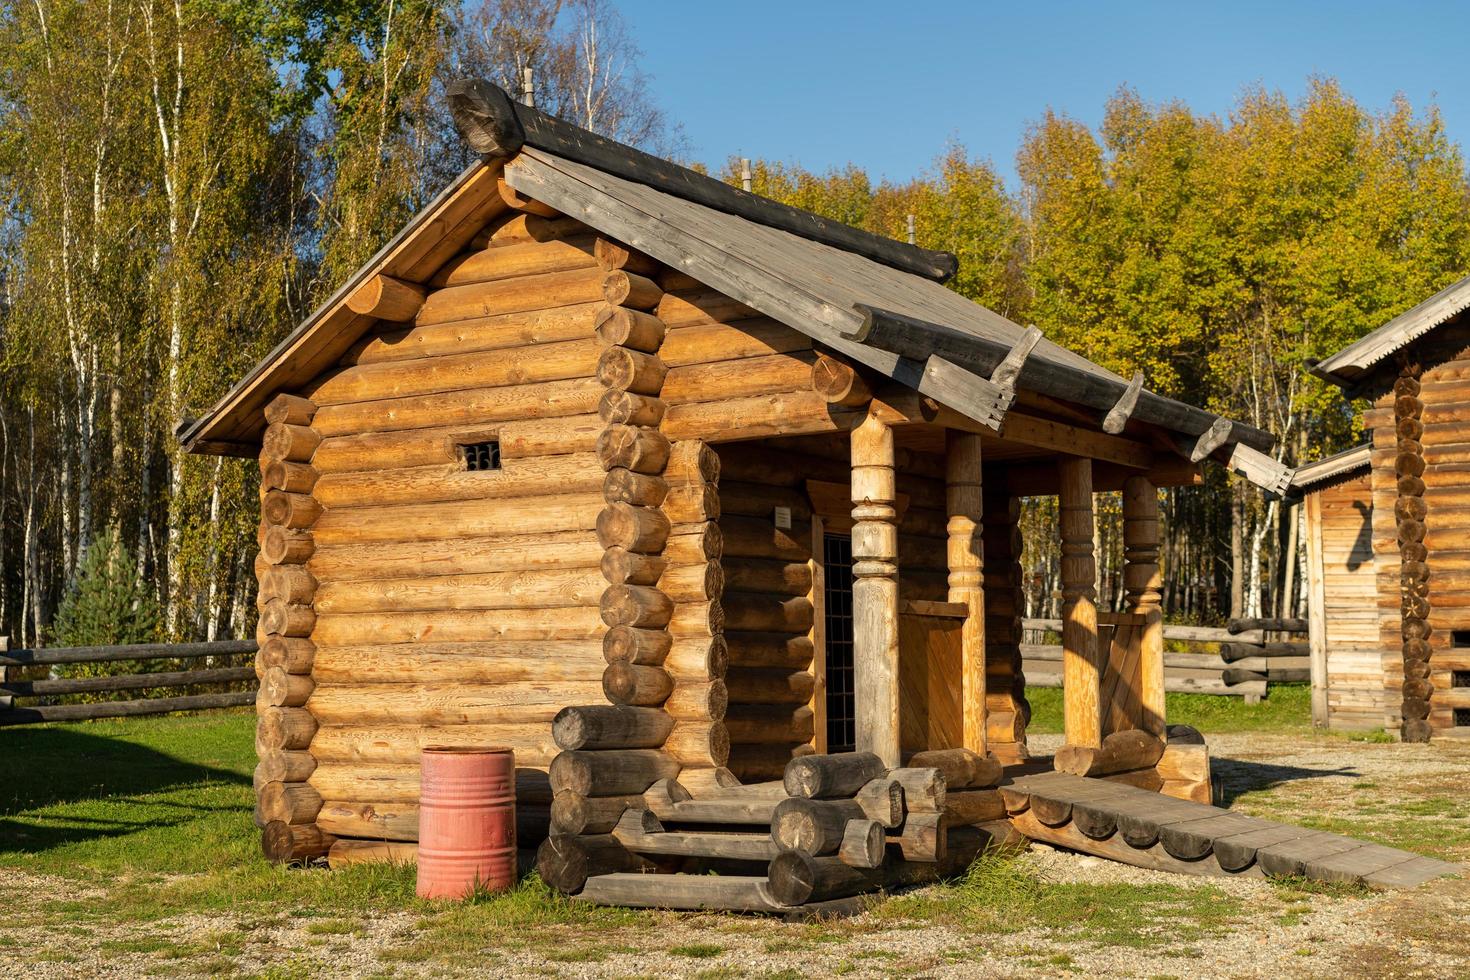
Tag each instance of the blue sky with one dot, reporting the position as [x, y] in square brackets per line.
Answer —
[887, 84]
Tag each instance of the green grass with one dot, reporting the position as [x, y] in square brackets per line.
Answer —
[1286, 708]
[1001, 892]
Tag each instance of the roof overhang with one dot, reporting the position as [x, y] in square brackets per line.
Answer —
[1333, 470]
[1353, 367]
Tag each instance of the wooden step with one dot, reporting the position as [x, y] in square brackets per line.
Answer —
[671, 803]
[641, 832]
[1139, 827]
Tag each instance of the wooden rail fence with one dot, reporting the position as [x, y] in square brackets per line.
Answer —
[1248, 655]
[13, 687]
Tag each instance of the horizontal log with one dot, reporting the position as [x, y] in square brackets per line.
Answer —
[641, 450]
[692, 504]
[514, 295]
[565, 862]
[698, 700]
[282, 729]
[453, 520]
[693, 583]
[769, 649]
[753, 724]
[278, 688]
[624, 682]
[771, 685]
[699, 305]
[638, 529]
[453, 556]
[479, 661]
[610, 773]
[624, 643]
[829, 776]
[619, 326]
[286, 843]
[614, 255]
[756, 612]
[515, 366]
[378, 743]
[465, 406]
[610, 727]
[510, 330]
[697, 659]
[447, 703]
[124, 709]
[289, 803]
[624, 486]
[762, 416]
[280, 618]
[126, 682]
[744, 378]
[572, 813]
[283, 766]
[623, 567]
[1119, 752]
[698, 744]
[490, 590]
[757, 575]
[573, 473]
[283, 442]
[517, 226]
[294, 655]
[344, 853]
[621, 287]
[289, 477]
[625, 369]
[517, 259]
[290, 409]
[387, 298]
[755, 763]
[628, 408]
[279, 545]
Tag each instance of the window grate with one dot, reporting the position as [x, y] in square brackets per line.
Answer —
[1460, 638]
[841, 696]
[479, 456]
[1460, 678]
[1462, 717]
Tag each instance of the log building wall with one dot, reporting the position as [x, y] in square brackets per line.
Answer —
[1356, 688]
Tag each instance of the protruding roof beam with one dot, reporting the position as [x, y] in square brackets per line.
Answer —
[920, 340]
[1267, 473]
[1117, 416]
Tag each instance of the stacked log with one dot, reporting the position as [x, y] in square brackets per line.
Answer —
[286, 804]
[1131, 756]
[1007, 711]
[612, 752]
[693, 580]
[1410, 511]
[1184, 766]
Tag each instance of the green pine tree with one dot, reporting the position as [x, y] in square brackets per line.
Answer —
[109, 603]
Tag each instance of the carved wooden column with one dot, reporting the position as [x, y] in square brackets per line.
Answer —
[875, 590]
[1142, 594]
[963, 498]
[1081, 658]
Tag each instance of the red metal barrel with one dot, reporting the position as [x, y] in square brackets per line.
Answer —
[467, 821]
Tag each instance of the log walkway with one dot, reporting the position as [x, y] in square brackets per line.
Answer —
[767, 862]
[1142, 828]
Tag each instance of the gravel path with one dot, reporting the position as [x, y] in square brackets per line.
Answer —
[1261, 929]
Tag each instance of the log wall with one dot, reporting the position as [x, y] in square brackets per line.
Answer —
[1351, 640]
[446, 604]
[1421, 507]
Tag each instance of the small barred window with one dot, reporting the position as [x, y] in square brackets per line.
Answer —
[481, 455]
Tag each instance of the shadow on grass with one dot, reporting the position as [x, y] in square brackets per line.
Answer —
[1235, 777]
[42, 768]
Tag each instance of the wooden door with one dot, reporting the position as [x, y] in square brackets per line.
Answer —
[931, 714]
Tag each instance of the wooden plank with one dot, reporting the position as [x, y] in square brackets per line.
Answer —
[1290, 857]
[1114, 848]
[1411, 873]
[723, 893]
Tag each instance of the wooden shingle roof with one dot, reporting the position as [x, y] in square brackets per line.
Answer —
[873, 300]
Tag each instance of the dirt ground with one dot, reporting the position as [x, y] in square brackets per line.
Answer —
[1073, 914]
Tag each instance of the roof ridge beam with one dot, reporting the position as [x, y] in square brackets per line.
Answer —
[495, 125]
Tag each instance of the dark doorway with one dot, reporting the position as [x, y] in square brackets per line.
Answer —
[841, 702]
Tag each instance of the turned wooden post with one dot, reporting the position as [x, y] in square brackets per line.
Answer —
[963, 499]
[875, 590]
[1141, 585]
[1081, 660]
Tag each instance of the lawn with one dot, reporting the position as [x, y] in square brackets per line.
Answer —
[142, 829]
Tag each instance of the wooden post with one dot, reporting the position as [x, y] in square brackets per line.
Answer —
[1081, 663]
[875, 590]
[1142, 585]
[1316, 609]
[963, 499]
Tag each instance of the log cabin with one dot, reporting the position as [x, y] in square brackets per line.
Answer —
[676, 490]
[1350, 666]
[1414, 373]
